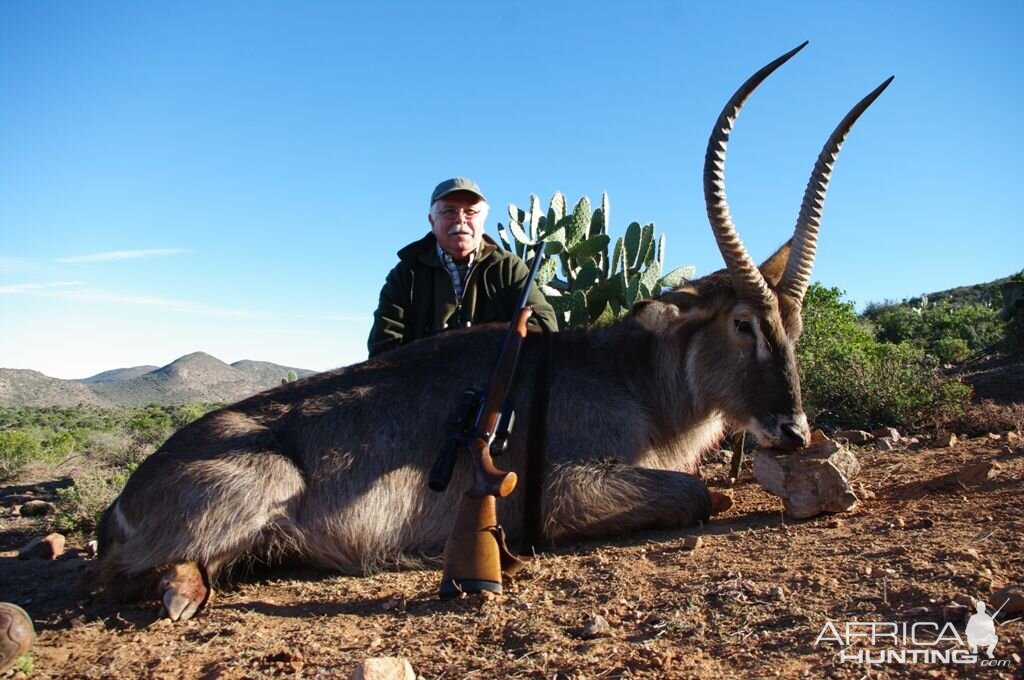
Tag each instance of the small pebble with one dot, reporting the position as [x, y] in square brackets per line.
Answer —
[597, 627]
[692, 542]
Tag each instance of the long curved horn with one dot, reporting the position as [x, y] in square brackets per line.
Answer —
[805, 238]
[746, 277]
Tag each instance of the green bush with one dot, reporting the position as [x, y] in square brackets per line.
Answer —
[152, 425]
[112, 436]
[850, 379]
[187, 413]
[59, 445]
[935, 327]
[79, 507]
[17, 449]
[951, 350]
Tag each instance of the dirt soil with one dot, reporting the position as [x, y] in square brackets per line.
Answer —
[751, 600]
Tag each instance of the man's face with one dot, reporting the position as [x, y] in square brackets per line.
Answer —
[458, 223]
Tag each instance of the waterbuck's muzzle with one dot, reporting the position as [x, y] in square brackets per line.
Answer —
[794, 436]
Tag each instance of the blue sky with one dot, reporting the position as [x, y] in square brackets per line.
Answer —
[235, 177]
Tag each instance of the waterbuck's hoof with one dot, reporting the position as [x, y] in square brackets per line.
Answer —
[16, 634]
[183, 590]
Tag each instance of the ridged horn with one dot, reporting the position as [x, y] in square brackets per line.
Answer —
[805, 237]
[746, 277]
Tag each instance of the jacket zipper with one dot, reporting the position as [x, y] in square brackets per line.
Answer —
[465, 287]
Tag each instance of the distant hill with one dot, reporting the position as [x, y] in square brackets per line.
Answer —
[193, 377]
[979, 294]
[266, 372]
[20, 387]
[115, 374]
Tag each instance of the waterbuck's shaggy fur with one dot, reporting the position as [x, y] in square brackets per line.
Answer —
[332, 469]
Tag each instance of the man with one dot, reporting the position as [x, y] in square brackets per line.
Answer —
[453, 277]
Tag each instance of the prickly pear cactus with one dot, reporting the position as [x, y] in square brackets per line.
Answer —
[585, 278]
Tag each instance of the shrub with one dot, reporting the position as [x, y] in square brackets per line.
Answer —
[851, 380]
[986, 417]
[942, 329]
[186, 413]
[59, 446]
[951, 350]
[80, 506]
[152, 425]
[17, 449]
[114, 449]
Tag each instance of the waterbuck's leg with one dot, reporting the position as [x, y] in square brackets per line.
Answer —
[609, 498]
[183, 520]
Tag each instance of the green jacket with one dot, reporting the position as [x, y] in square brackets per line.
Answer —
[418, 297]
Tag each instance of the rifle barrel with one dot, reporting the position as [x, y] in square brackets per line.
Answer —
[525, 294]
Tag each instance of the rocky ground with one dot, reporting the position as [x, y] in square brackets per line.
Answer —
[760, 595]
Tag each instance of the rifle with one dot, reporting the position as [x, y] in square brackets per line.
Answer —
[475, 553]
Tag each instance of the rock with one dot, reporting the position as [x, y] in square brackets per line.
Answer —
[384, 668]
[596, 627]
[888, 432]
[914, 612]
[16, 634]
[1014, 438]
[945, 440]
[964, 599]
[855, 436]
[977, 473]
[818, 437]
[37, 509]
[46, 548]
[885, 444]
[777, 593]
[914, 443]
[720, 457]
[954, 613]
[720, 502]
[811, 481]
[692, 542]
[1010, 598]
[993, 436]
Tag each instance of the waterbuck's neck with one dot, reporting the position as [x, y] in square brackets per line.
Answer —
[653, 371]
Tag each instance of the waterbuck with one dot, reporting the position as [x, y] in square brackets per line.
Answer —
[332, 469]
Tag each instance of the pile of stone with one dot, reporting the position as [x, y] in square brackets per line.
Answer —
[811, 481]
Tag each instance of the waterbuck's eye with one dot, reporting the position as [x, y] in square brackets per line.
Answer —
[744, 327]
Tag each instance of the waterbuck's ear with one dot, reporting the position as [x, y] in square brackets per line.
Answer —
[773, 268]
[670, 310]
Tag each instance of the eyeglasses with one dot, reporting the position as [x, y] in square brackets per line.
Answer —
[450, 213]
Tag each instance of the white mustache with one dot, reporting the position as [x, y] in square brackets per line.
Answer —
[459, 230]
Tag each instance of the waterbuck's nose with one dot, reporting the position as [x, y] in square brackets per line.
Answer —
[794, 435]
